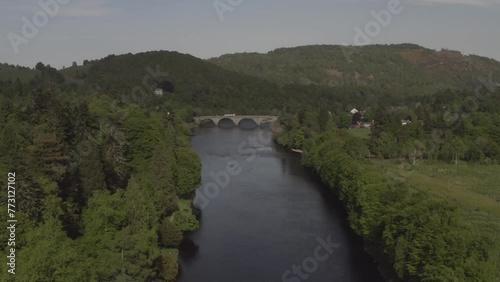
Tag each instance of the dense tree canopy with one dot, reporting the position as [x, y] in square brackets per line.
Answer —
[96, 181]
[415, 235]
[106, 176]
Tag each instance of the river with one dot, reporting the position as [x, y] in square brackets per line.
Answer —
[266, 218]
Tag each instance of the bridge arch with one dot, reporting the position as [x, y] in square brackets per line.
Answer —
[208, 122]
[249, 121]
[226, 119]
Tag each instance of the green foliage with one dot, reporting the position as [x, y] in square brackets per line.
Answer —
[170, 235]
[344, 120]
[422, 229]
[11, 73]
[49, 155]
[139, 203]
[422, 237]
[169, 265]
[91, 170]
[436, 132]
[411, 69]
[49, 255]
[187, 172]
[323, 118]
[203, 86]
[103, 219]
[143, 135]
[139, 253]
[162, 179]
[297, 137]
[106, 173]
[356, 148]
[95, 180]
[184, 218]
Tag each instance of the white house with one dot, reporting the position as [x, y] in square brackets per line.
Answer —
[353, 111]
[159, 92]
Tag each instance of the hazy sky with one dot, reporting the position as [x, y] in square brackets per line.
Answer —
[92, 29]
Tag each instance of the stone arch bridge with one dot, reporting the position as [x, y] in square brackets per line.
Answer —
[237, 119]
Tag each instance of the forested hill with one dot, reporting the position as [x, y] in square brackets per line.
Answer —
[104, 175]
[101, 186]
[404, 66]
[201, 85]
[10, 73]
[184, 78]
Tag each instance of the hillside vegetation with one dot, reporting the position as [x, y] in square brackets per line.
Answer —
[423, 195]
[102, 191]
[205, 87]
[407, 68]
[106, 175]
[421, 225]
[10, 73]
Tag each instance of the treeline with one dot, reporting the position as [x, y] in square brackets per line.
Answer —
[451, 126]
[204, 88]
[416, 236]
[103, 186]
[106, 174]
[405, 67]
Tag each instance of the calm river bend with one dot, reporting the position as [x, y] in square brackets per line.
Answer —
[272, 215]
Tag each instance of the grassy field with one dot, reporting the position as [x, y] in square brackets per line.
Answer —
[362, 133]
[471, 179]
[475, 189]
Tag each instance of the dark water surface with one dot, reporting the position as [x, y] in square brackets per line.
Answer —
[273, 214]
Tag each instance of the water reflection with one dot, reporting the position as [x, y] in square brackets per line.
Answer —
[267, 219]
[189, 249]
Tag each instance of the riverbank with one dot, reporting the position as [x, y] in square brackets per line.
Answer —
[378, 255]
[257, 219]
[409, 228]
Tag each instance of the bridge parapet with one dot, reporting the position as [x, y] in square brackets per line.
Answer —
[237, 119]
